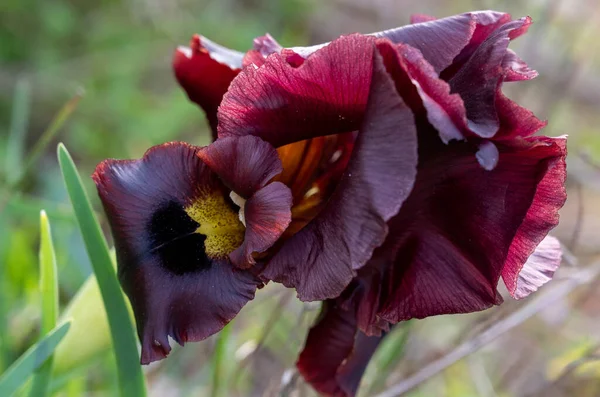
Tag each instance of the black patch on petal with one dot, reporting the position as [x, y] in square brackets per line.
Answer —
[172, 231]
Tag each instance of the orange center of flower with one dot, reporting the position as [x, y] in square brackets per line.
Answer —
[218, 222]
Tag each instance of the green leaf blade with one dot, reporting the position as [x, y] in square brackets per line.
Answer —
[49, 300]
[131, 379]
[18, 373]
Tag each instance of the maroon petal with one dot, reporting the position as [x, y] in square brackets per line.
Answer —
[244, 164]
[479, 79]
[424, 91]
[515, 69]
[515, 121]
[520, 274]
[441, 41]
[173, 227]
[321, 259]
[267, 214]
[456, 232]
[281, 103]
[336, 354]
[205, 71]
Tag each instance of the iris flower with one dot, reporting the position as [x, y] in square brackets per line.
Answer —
[384, 174]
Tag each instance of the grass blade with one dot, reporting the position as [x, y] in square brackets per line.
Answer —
[32, 359]
[131, 379]
[49, 295]
[219, 359]
[18, 130]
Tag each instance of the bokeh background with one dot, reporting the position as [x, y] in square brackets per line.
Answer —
[108, 62]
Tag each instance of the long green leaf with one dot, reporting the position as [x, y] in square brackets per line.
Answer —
[18, 373]
[49, 295]
[131, 379]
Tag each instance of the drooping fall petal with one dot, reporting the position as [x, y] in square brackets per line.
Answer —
[336, 353]
[533, 257]
[456, 233]
[173, 227]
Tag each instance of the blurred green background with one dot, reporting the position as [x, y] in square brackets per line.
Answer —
[117, 53]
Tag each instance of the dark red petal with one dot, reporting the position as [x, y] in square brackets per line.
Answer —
[174, 287]
[450, 241]
[440, 41]
[336, 354]
[515, 121]
[188, 307]
[421, 88]
[205, 70]
[282, 104]
[522, 275]
[267, 214]
[479, 79]
[244, 164]
[321, 259]
[443, 41]
[515, 69]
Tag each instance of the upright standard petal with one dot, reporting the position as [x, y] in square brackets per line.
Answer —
[443, 41]
[174, 226]
[322, 258]
[478, 81]
[205, 70]
[283, 104]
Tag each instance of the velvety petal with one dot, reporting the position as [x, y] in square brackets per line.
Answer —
[244, 164]
[188, 307]
[170, 267]
[336, 354]
[283, 104]
[479, 79]
[205, 71]
[321, 259]
[520, 274]
[440, 41]
[515, 69]
[515, 120]
[424, 91]
[450, 241]
[267, 214]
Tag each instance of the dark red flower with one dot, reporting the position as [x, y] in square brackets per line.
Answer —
[414, 186]
[182, 249]
[485, 194]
